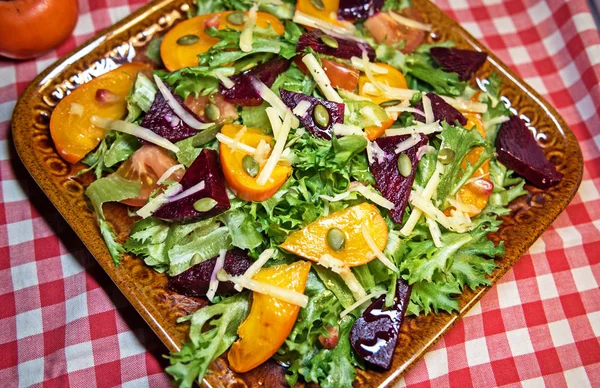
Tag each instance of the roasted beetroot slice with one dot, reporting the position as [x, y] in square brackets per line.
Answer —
[162, 120]
[358, 9]
[196, 280]
[375, 333]
[205, 168]
[336, 112]
[346, 48]
[518, 150]
[463, 62]
[441, 111]
[242, 93]
[393, 186]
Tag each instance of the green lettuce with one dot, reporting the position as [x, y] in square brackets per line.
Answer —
[421, 67]
[114, 148]
[213, 330]
[140, 98]
[197, 80]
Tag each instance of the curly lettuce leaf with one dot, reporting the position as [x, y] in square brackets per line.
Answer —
[213, 330]
[421, 67]
[197, 80]
[140, 97]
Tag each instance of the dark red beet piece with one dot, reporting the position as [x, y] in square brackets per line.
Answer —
[346, 48]
[463, 62]
[336, 112]
[205, 168]
[441, 111]
[162, 120]
[393, 186]
[375, 333]
[358, 9]
[518, 150]
[196, 280]
[242, 93]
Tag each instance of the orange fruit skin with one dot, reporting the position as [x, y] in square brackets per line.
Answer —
[310, 242]
[74, 135]
[29, 28]
[176, 56]
[270, 320]
[243, 185]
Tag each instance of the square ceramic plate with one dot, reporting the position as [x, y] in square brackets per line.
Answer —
[146, 290]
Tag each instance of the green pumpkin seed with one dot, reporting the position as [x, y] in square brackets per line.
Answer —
[236, 18]
[318, 4]
[387, 104]
[250, 166]
[321, 116]
[446, 156]
[187, 40]
[205, 204]
[212, 112]
[336, 239]
[330, 41]
[404, 165]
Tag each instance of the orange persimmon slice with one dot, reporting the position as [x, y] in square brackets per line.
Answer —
[176, 56]
[70, 127]
[243, 185]
[310, 242]
[270, 320]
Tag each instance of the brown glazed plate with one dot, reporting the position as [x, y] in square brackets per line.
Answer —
[146, 289]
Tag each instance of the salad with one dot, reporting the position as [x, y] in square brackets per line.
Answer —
[315, 170]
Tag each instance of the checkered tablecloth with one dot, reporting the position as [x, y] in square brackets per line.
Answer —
[63, 323]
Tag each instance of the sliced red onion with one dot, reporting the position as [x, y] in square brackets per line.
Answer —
[214, 282]
[413, 140]
[192, 190]
[184, 115]
[423, 150]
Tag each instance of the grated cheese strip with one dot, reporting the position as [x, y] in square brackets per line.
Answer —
[353, 284]
[400, 109]
[466, 105]
[318, 74]
[301, 108]
[169, 172]
[347, 130]
[214, 282]
[149, 208]
[267, 170]
[389, 92]
[435, 231]
[262, 152]
[135, 130]
[270, 97]
[274, 120]
[226, 81]
[365, 192]
[284, 294]
[431, 211]
[361, 301]
[409, 22]
[231, 143]
[427, 194]
[428, 109]
[412, 141]
[309, 21]
[368, 112]
[424, 129]
[359, 64]
[265, 256]
[375, 249]
[463, 207]
[246, 35]
[238, 137]
[76, 109]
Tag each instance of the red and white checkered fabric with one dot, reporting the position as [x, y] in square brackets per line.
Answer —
[63, 323]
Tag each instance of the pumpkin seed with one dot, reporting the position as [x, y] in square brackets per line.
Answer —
[321, 116]
[204, 204]
[330, 41]
[187, 40]
[446, 156]
[236, 18]
[404, 165]
[336, 239]
[387, 104]
[250, 166]
[318, 4]
[212, 112]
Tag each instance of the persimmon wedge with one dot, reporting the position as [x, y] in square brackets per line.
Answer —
[70, 127]
[239, 181]
[311, 242]
[477, 192]
[394, 78]
[270, 320]
[182, 44]
[327, 13]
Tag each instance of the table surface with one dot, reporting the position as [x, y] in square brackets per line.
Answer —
[63, 322]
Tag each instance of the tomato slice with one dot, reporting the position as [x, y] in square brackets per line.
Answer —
[340, 75]
[477, 192]
[227, 111]
[176, 56]
[147, 165]
[384, 29]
